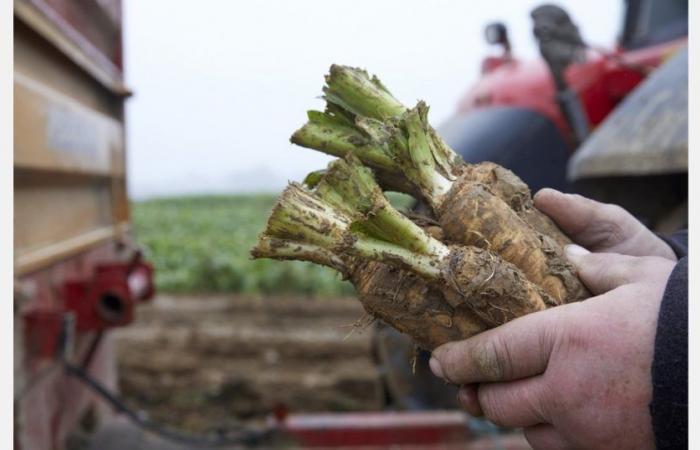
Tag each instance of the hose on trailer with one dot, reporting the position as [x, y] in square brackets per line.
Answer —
[250, 437]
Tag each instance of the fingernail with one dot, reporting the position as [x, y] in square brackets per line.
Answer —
[435, 367]
[573, 251]
[546, 191]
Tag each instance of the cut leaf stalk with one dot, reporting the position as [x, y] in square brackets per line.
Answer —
[353, 90]
[502, 182]
[413, 306]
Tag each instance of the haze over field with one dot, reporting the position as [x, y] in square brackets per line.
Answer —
[220, 86]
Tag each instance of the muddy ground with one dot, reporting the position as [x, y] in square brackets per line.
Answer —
[204, 362]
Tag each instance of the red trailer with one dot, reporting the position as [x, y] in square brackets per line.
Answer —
[77, 272]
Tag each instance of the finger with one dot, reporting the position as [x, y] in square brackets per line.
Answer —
[545, 437]
[603, 272]
[469, 399]
[590, 223]
[600, 226]
[517, 349]
[517, 403]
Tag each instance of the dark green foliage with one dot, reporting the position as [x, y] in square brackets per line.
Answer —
[201, 244]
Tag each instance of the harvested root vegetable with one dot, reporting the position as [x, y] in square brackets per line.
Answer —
[302, 227]
[471, 214]
[348, 218]
[398, 297]
[511, 189]
[413, 306]
[486, 256]
[483, 205]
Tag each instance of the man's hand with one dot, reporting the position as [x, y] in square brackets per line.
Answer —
[574, 376]
[600, 227]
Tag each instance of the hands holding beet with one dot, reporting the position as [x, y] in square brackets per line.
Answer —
[578, 375]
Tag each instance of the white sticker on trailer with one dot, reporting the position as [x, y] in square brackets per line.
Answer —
[71, 131]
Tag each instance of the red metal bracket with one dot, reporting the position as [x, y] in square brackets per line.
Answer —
[109, 297]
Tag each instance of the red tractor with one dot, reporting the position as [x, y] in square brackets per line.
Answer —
[623, 121]
[531, 116]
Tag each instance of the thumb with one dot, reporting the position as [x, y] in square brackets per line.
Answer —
[602, 272]
[514, 350]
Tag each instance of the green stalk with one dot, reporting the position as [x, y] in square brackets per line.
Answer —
[301, 216]
[319, 226]
[285, 249]
[377, 250]
[302, 227]
[344, 217]
[350, 187]
[353, 90]
[363, 118]
[424, 157]
[378, 232]
[333, 135]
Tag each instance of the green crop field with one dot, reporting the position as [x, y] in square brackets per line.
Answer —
[201, 244]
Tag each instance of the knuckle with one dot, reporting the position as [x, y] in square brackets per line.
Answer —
[583, 206]
[487, 358]
[613, 212]
[532, 404]
[645, 266]
[606, 225]
[452, 361]
[593, 266]
[646, 269]
[608, 271]
[653, 265]
[608, 233]
[651, 271]
[450, 368]
[576, 340]
[597, 266]
[576, 198]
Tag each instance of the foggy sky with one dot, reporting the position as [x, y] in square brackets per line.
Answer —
[221, 85]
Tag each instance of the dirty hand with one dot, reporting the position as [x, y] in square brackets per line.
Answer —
[574, 376]
[600, 227]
